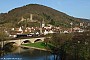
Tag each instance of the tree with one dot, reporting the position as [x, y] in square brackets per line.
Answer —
[79, 47]
[59, 41]
[3, 35]
[82, 43]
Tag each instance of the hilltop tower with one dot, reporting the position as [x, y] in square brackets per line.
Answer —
[31, 17]
[88, 24]
[81, 24]
[22, 19]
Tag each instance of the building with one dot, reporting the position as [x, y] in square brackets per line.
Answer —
[43, 23]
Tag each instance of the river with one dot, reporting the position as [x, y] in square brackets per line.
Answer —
[27, 54]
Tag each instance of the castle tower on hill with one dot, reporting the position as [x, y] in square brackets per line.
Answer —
[22, 19]
[31, 17]
[88, 24]
[81, 24]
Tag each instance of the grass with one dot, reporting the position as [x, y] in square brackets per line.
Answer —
[39, 45]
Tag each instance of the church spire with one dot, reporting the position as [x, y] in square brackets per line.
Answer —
[43, 23]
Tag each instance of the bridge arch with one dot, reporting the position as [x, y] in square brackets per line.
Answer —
[21, 41]
[10, 46]
[10, 43]
[25, 41]
[37, 40]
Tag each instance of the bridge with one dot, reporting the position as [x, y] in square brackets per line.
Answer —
[21, 41]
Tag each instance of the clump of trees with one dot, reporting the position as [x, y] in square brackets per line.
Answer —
[81, 44]
[9, 47]
[73, 46]
[3, 34]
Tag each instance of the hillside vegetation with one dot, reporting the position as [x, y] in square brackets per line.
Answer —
[40, 12]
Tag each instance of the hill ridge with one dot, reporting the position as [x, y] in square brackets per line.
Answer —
[50, 15]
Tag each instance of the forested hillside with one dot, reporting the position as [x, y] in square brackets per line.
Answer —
[40, 12]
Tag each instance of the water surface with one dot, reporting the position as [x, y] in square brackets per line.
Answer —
[27, 54]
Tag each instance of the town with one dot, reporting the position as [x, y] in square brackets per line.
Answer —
[38, 32]
[43, 29]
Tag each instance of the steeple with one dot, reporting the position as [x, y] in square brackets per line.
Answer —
[43, 23]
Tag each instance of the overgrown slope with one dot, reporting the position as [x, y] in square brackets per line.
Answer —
[40, 12]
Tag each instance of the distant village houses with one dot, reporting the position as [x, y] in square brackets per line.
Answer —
[43, 29]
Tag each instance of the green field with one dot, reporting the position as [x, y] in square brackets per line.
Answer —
[39, 45]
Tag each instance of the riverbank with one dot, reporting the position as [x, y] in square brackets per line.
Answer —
[39, 45]
[35, 48]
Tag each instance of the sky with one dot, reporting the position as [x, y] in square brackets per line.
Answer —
[75, 8]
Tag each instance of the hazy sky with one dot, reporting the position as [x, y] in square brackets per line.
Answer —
[76, 8]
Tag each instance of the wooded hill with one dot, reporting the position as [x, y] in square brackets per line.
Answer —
[40, 12]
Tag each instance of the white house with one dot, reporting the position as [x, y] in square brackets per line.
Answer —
[47, 32]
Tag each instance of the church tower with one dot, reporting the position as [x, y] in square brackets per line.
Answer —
[43, 23]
